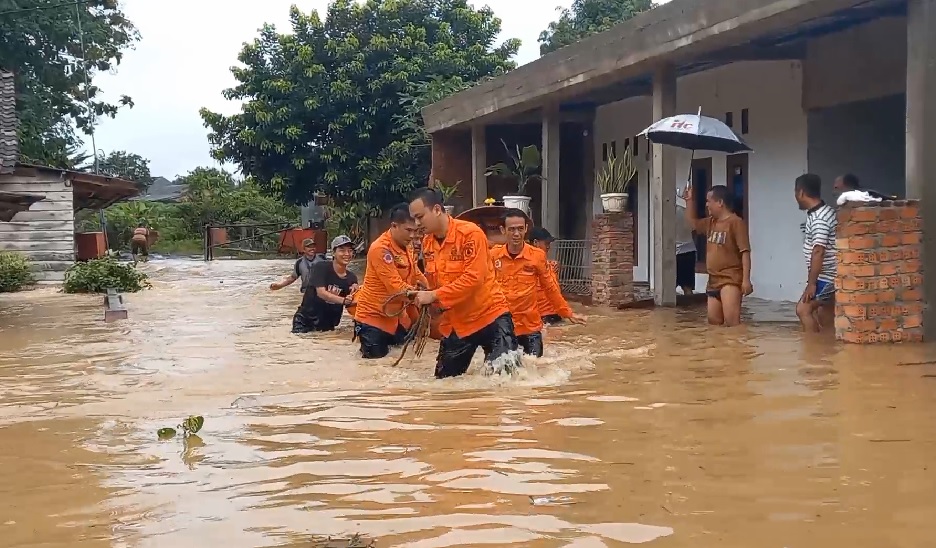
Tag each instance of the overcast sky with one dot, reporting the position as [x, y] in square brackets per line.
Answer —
[182, 64]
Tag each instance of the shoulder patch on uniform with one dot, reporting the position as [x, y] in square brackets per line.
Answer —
[388, 257]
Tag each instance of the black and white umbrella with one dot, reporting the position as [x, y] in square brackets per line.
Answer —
[695, 132]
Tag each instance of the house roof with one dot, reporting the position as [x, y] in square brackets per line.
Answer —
[163, 190]
[681, 33]
[9, 142]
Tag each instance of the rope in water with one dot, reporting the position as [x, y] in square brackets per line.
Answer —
[418, 333]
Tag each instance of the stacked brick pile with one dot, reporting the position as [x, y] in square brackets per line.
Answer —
[613, 259]
[879, 296]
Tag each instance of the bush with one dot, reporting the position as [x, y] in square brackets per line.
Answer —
[99, 275]
[14, 272]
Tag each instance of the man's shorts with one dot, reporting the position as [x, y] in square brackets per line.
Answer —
[498, 341]
[532, 344]
[376, 343]
[825, 291]
[139, 248]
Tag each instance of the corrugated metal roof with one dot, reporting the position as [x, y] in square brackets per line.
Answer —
[9, 141]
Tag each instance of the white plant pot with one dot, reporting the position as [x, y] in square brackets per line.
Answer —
[450, 210]
[518, 202]
[614, 202]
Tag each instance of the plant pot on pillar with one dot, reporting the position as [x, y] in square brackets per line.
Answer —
[524, 167]
[613, 180]
[447, 192]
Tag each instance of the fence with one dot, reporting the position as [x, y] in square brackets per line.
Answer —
[243, 240]
[574, 261]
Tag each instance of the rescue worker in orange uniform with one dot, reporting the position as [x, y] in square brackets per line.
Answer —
[523, 274]
[474, 309]
[391, 269]
[541, 238]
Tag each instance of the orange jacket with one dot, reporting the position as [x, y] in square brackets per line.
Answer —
[390, 270]
[543, 303]
[461, 270]
[524, 278]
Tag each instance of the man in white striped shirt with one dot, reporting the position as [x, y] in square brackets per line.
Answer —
[816, 308]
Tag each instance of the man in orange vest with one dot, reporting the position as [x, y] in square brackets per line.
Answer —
[391, 270]
[459, 267]
[522, 271]
[541, 238]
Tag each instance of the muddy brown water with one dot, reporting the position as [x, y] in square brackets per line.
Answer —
[643, 427]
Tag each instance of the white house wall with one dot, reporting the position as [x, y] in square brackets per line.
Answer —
[772, 93]
[46, 233]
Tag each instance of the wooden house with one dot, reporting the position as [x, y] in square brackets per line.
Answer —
[43, 200]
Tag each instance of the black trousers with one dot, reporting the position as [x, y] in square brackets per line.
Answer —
[376, 343]
[532, 344]
[497, 339]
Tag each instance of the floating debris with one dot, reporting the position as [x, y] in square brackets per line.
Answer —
[355, 541]
[552, 501]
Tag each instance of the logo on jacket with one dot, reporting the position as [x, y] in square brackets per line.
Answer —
[388, 257]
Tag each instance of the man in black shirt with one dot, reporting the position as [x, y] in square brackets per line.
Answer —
[329, 290]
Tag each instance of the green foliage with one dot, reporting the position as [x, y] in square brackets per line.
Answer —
[124, 165]
[43, 49]
[15, 273]
[332, 107]
[212, 196]
[189, 427]
[587, 17]
[447, 191]
[99, 275]
[617, 173]
[524, 166]
[350, 220]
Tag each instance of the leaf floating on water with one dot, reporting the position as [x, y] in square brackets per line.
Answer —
[193, 424]
[166, 433]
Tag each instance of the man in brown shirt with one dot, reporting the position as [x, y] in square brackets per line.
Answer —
[727, 255]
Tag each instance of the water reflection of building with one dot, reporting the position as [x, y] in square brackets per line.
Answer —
[785, 76]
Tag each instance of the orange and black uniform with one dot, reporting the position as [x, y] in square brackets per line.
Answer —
[475, 312]
[525, 277]
[391, 269]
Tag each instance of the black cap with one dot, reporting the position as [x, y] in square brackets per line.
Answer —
[541, 234]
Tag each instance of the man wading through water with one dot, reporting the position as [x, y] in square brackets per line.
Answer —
[302, 269]
[816, 308]
[391, 270]
[475, 312]
[523, 273]
[727, 255]
[542, 239]
[329, 290]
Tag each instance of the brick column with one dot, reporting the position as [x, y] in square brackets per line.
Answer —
[612, 259]
[879, 296]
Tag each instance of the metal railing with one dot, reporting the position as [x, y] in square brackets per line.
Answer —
[574, 261]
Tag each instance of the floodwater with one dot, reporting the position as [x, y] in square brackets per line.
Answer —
[643, 427]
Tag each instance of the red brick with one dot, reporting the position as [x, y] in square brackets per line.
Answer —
[850, 283]
[865, 214]
[910, 266]
[911, 295]
[844, 216]
[612, 263]
[855, 311]
[911, 238]
[860, 242]
[849, 337]
[857, 229]
[910, 211]
[913, 320]
[885, 296]
[864, 326]
[891, 240]
[842, 322]
[888, 324]
[912, 225]
[864, 271]
[885, 269]
[888, 213]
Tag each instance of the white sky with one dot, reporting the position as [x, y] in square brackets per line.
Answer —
[182, 64]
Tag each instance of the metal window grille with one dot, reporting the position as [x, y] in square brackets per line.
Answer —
[574, 265]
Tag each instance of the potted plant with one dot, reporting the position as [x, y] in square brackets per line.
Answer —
[448, 192]
[613, 180]
[524, 167]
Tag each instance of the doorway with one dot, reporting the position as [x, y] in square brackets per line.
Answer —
[736, 179]
[701, 183]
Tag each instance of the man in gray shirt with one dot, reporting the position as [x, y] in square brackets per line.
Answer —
[685, 250]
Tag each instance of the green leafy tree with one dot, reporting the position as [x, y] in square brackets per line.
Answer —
[124, 165]
[587, 17]
[330, 107]
[41, 44]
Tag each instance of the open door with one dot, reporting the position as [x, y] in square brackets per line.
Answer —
[736, 174]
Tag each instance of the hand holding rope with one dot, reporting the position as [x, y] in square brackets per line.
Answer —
[418, 333]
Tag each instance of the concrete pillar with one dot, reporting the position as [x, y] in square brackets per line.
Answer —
[921, 137]
[479, 166]
[549, 212]
[663, 193]
[588, 179]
